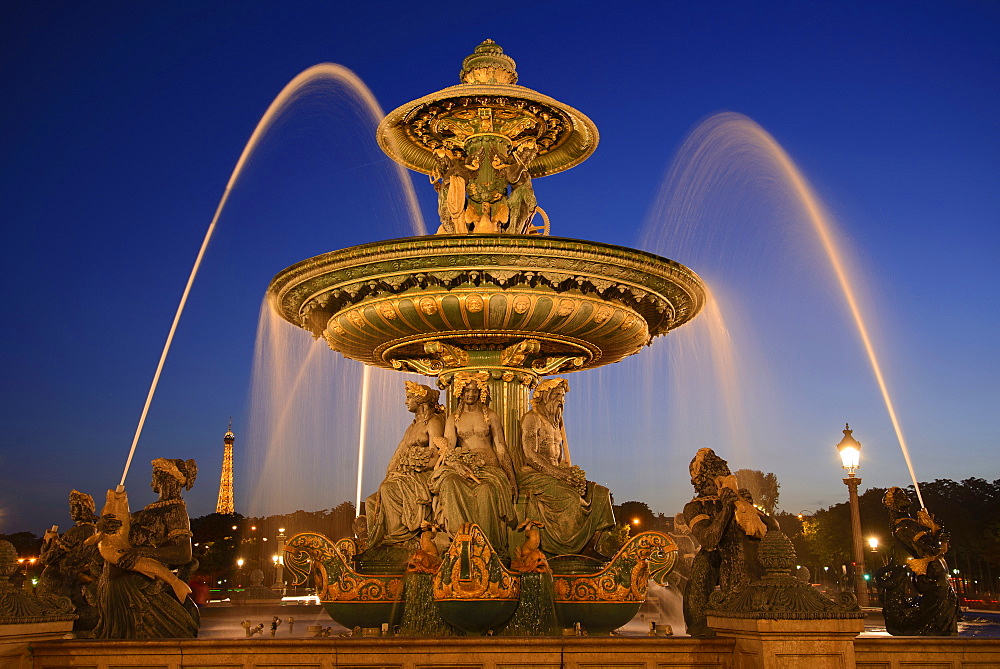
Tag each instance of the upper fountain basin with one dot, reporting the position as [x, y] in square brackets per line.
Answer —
[384, 302]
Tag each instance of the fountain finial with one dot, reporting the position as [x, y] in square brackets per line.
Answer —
[488, 64]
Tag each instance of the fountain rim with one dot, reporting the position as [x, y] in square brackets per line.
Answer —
[529, 240]
[644, 295]
[581, 143]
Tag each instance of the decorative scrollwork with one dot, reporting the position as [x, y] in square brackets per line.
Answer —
[471, 570]
[626, 577]
[312, 553]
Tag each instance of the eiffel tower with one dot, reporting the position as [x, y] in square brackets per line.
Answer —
[225, 503]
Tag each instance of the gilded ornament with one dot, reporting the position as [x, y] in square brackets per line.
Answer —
[386, 311]
[428, 306]
[474, 303]
[566, 307]
[625, 577]
[603, 314]
[521, 304]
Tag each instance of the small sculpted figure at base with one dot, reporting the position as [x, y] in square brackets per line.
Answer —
[572, 512]
[528, 557]
[720, 520]
[73, 567]
[474, 478]
[403, 502]
[134, 605]
[918, 597]
[427, 558]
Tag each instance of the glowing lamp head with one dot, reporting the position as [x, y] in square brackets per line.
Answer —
[281, 530]
[850, 451]
[635, 521]
[239, 562]
[873, 543]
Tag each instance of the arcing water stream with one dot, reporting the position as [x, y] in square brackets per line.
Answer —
[710, 155]
[294, 90]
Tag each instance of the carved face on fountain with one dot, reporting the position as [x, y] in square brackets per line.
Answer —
[470, 394]
[418, 394]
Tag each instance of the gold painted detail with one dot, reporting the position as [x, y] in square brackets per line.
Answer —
[471, 570]
[452, 121]
[556, 364]
[424, 366]
[516, 354]
[381, 302]
[625, 579]
[328, 563]
[450, 356]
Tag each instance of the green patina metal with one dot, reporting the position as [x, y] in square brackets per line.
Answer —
[779, 595]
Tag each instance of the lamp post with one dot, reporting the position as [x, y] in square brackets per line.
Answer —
[279, 561]
[239, 578]
[850, 454]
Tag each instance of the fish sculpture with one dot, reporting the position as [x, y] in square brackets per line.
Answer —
[112, 545]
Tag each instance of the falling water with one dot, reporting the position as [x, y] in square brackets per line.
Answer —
[366, 383]
[287, 97]
[304, 416]
[731, 154]
[304, 422]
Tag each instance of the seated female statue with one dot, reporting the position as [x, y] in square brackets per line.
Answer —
[403, 500]
[572, 510]
[133, 605]
[474, 479]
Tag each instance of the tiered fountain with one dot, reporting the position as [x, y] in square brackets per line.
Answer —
[492, 295]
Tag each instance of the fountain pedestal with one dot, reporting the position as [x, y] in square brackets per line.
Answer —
[779, 644]
[779, 621]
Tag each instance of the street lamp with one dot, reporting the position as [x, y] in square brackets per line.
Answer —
[239, 566]
[850, 455]
[279, 561]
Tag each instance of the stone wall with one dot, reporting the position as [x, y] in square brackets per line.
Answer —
[493, 653]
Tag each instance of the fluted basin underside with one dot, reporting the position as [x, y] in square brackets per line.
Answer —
[588, 303]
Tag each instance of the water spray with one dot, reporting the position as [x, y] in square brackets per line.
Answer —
[288, 94]
[366, 377]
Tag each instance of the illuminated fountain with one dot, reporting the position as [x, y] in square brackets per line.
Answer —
[491, 297]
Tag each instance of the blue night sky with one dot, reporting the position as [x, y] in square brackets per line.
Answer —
[122, 122]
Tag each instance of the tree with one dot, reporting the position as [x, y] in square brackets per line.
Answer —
[630, 512]
[763, 487]
[27, 544]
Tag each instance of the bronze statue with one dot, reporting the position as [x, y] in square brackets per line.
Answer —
[73, 567]
[134, 605]
[521, 201]
[474, 478]
[720, 520]
[449, 179]
[918, 599]
[403, 501]
[572, 511]
[18, 605]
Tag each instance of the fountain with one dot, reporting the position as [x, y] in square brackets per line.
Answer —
[492, 307]
[492, 297]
